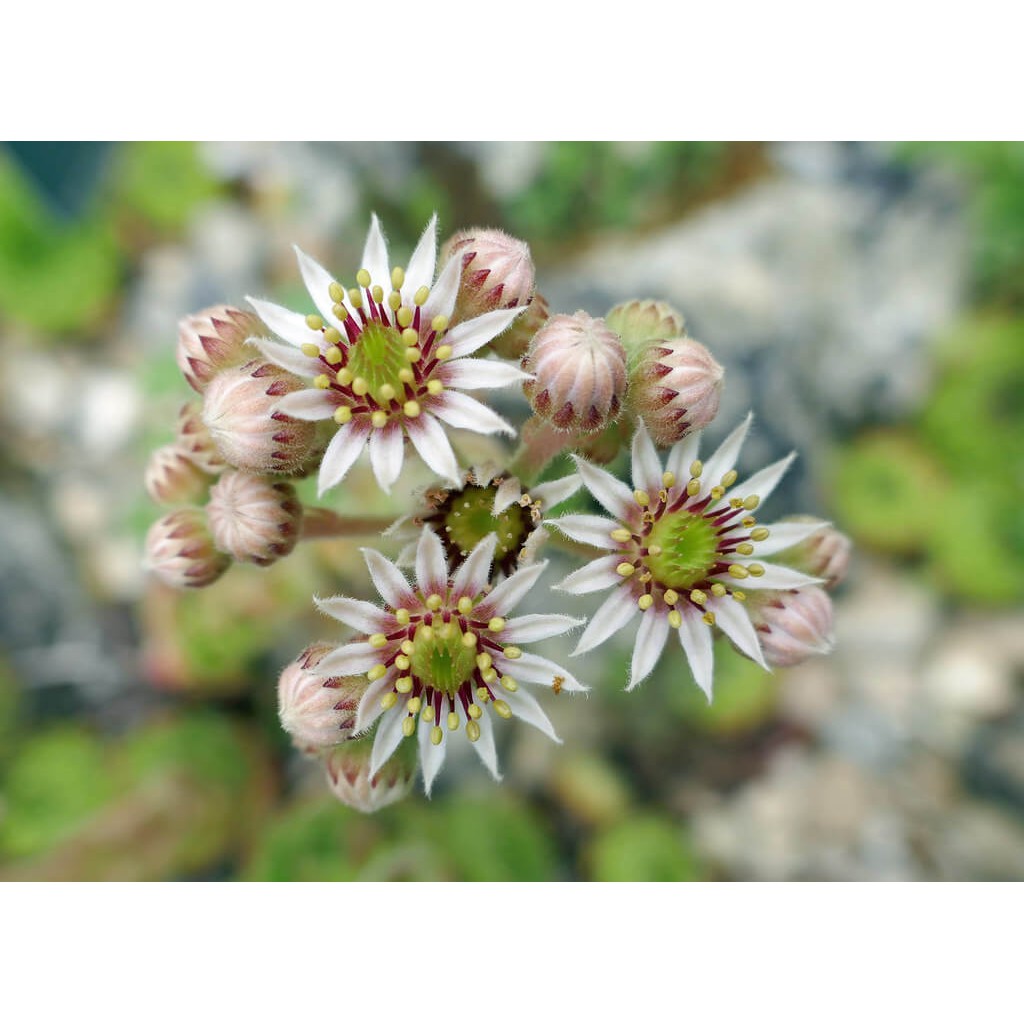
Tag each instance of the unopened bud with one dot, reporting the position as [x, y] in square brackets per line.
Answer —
[317, 711]
[579, 369]
[172, 478]
[180, 550]
[348, 774]
[513, 342]
[254, 519]
[793, 625]
[644, 320]
[825, 554]
[195, 441]
[238, 409]
[213, 340]
[675, 387]
[497, 271]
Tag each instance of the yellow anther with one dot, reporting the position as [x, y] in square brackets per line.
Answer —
[472, 729]
[377, 640]
[693, 488]
[394, 301]
[363, 278]
[718, 589]
[402, 663]
[342, 415]
[355, 297]
[412, 409]
[738, 572]
[403, 684]
[698, 597]
[436, 735]
[668, 479]
[434, 386]
[378, 294]
[512, 652]
[411, 338]
[654, 549]
[739, 595]
[336, 292]
[645, 601]
[671, 597]
[622, 535]
[344, 377]
[642, 498]
[483, 694]
[412, 705]
[761, 533]
[709, 618]
[645, 577]
[360, 386]
[314, 323]
[413, 354]
[389, 700]
[333, 355]
[735, 503]
[405, 375]
[509, 684]
[717, 492]
[402, 618]
[439, 324]
[397, 277]
[443, 352]
[375, 673]
[745, 548]
[730, 478]
[496, 625]
[404, 316]
[749, 521]
[503, 709]
[332, 335]
[379, 418]
[465, 605]
[311, 350]
[474, 711]
[625, 569]
[675, 620]
[484, 661]
[755, 569]
[385, 393]
[321, 380]
[426, 633]
[340, 312]
[489, 675]
[408, 727]
[434, 602]
[453, 721]
[751, 502]
[421, 295]
[696, 468]
[469, 639]
[428, 713]
[663, 495]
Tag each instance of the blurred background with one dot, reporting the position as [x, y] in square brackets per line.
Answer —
[867, 302]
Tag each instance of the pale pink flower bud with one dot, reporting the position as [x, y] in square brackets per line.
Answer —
[253, 518]
[317, 711]
[180, 551]
[579, 369]
[675, 387]
[195, 442]
[348, 774]
[643, 320]
[825, 554]
[497, 271]
[213, 340]
[513, 342]
[172, 478]
[238, 410]
[793, 625]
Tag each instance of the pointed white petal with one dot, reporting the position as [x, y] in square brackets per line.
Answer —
[650, 642]
[465, 413]
[370, 709]
[290, 358]
[406, 558]
[593, 530]
[599, 574]
[554, 492]
[785, 535]
[441, 301]
[391, 584]
[731, 617]
[646, 464]
[507, 594]
[531, 668]
[431, 756]
[475, 571]
[349, 660]
[389, 735]
[485, 748]
[431, 565]
[509, 490]
[616, 612]
[375, 255]
[471, 374]
[292, 327]
[725, 457]
[682, 456]
[341, 453]
[429, 439]
[318, 283]
[525, 706]
[777, 577]
[764, 482]
[695, 636]
[466, 338]
[309, 404]
[613, 494]
[420, 270]
[360, 615]
[387, 447]
[528, 628]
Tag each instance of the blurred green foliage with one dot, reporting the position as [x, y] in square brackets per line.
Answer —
[642, 848]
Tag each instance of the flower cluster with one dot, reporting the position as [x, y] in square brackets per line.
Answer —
[385, 365]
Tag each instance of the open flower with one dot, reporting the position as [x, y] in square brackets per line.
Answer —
[384, 364]
[684, 547]
[442, 656]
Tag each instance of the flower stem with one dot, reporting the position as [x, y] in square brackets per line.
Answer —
[541, 443]
[322, 523]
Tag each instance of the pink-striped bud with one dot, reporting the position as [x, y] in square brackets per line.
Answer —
[644, 320]
[793, 625]
[253, 518]
[213, 340]
[172, 478]
[579, 369]
[348, 774]
[675, 387]
[317, 711]
[825, 554]
[238, 410]
[497, 271]
[195, 442]
[180, 550]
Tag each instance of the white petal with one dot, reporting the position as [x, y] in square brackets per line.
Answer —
[290, 358]
[509, 491]
[308, 404]
[695, 636]
[349, 660]
[461, 411]
[360, 615]
[507, 594]
[370, 709]
[431, 565]
[391, 584]
[616, 612]
[375, 255]
[593, 530]
[646, 464]
[731, 617]
[431, 756]
[389, 735]
[420, 270]
[387, 447]
[341, 453]
[485, 748]
[318, 283]
[531, 668]
[682, 455]
[599, 574]
[525, 706]
[725, 457]
[776, 577]
[429, 439]
[527, 628]
[785, 535]
[471, 374]
[441, 301]
[285, 324]
[650, 642]
[475, 571]
[554, 492]
[466, 338]
[612, 493]
[764, 482]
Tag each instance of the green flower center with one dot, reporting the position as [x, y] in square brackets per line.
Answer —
[441, 656]
[379, 356]
[469, 520]
[683, 549]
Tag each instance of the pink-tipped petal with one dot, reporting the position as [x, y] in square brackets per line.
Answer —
[388, 579]
[360, 615]
[650, 642]
[387, 449]
[431, 564]
[429, 439]
[467, 337]
[318, 283]
[431, 755]
[725, 457]
[288, 358]
[764, 482]
[473, 374]
[596, 575]
[308, 404]
[292, 327]
[646, 464]
[528, 628]
[375, 255]
[485, 747]
[465, 413]
[613, 494]
[616, 612]
[349, 660]
[778, 577]
[734, 622]
[525, 706]
[342, 452]
[441, 301]
[682, 455]
[695, 637]
[475, 571]
[420, 271]
[554, 492]
[389, 735]
[509, 491]
[784, 535]
[370, 709]
[531, 668]
[593, 530]
[507, 594]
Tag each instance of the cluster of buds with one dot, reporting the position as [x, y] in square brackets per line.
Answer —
[386, 365]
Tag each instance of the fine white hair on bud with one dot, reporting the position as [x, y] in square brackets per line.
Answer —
[195, 441]
[214, 339]
[825, 553]
[579, 370]
[172, 478]
[180, 551]
[793, 625]
[253, 518]
[348, 774]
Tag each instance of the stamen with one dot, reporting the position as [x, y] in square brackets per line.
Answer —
[408, 727]
[465, 605]
[322, 381]
[413, 354]
[503, 709]
[411, 337]
[675, 620]
[436, 735]
[755, 569]
[472, 729]
[469, 639]
[761, 533]
[668, 479]
[336, 292]
[378, 294]
[509, 684]
[333, 355]
[405, 375]
[340, 312]
[394, 301]
[484, 661]
[693, 488]
[385, 393]
[402, 662]
[412, 705]
[355, 296]
[344, 376]
[512, 652]
[496, 625]
[397, 277]
[483, 694]
[718, 589]
[738, 572]
[730, 478]
[642, 498]
[332, 335]
[404, 684]
[377, 672]
[363, 278]
[474, 711]
[625, 569]
[377, 640]
[311, 350]
[314, 323]
[622, 535]
[434, 386]
[379, 418]
[696, 468]
[670, 597]
[439, 324]
[404, 316]
[389, 700]
[751, 502]
[421, 295]
[411, 409]
[407, 647]
[709, 618]
[748, 521]
[360, 386]
[645, 601]
[428, 713]
[453, 721]
[434, 602]
[443, 352]
[489, 676]
[402, 617]
[745, 548]
[698, 597]
[739, 595]
[342, 415]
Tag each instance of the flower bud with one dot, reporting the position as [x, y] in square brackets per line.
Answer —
[579, 369]
[180, 551]
[644, 320]
[794, 624]
[317, 711]
[195, 442]
[172, 478]
[348, 774]
[213, 340]
[254, 519]
[825, 554]
[675, 387]
[513, 342]
[497, 271]
[238, 410]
